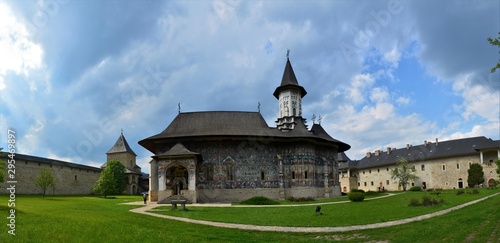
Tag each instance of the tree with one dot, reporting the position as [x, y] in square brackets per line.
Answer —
[476, 175]
[498, 168]
[45, 180]
[495, 42]
[106, 183]
[404, 173]
[112, 179]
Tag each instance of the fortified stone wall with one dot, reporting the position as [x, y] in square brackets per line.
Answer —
[71, 179]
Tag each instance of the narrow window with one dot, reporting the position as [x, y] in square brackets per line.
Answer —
[458, 166]
[378, 170]
[387, 168]
[371, 183]
[262, 175]
[422, 167]
[387, 182]
[293, 174]
[305, 174]
[75, 177]
[365, 183]
[444, 167]
[370, 171]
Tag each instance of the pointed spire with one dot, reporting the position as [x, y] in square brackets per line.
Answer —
[120, 146]
[289, 80]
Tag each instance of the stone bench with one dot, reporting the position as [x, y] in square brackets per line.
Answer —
[181, 202]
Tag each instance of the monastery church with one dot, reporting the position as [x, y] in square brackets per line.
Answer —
[227, 156]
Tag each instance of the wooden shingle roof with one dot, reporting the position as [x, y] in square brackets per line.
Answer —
[289, 81]
[235, 124]
[120, 146]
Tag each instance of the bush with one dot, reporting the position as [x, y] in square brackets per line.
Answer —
[473, 191]
[460, 191]
[356, 196]
[358, 190]
[300, 199]
[414, 202]
[426, 201]
[259, 201]
[415, 189]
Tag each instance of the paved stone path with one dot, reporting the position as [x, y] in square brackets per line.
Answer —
[143, 210]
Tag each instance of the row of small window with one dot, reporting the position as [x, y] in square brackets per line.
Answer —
[371, 183]
[378, 170]
[422, 168]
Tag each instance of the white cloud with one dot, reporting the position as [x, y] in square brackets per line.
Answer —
[403, 100]
[379, 94]
[18, 53]
[479, 100]
[393, 57]
[359, 84]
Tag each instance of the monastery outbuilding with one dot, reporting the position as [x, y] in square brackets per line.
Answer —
[438, 165]
[227, 156]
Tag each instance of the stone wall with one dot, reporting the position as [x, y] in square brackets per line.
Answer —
[70, 178]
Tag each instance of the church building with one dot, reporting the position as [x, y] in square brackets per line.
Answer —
[229, 156]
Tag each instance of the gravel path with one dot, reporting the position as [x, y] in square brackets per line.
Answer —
[143, 210]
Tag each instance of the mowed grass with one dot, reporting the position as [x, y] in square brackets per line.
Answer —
[94, 219]
[336, 214]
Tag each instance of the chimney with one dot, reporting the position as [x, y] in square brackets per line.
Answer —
[407, 146]
[388, 150]
[368, 155]
[377, 152]
[425, 143]
[437, 142]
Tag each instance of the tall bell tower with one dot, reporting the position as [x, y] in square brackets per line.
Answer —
[289, 94]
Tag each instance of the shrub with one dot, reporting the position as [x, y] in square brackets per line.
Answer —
[356, 196]
[300, 199]
[415, 189]
[436, 193]
[414, 202]
[259, 201]
[427, 201]
[460, 191]
[473, 191]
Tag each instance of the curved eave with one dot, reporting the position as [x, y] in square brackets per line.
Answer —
[278, 90]
[150, 143]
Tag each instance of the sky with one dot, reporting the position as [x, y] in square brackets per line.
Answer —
[75, 74]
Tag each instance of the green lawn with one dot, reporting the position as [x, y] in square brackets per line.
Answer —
[338, 214]
[93, 219]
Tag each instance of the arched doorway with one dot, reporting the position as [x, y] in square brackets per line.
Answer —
[491, 182]
[176, 179]
[460, 183]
